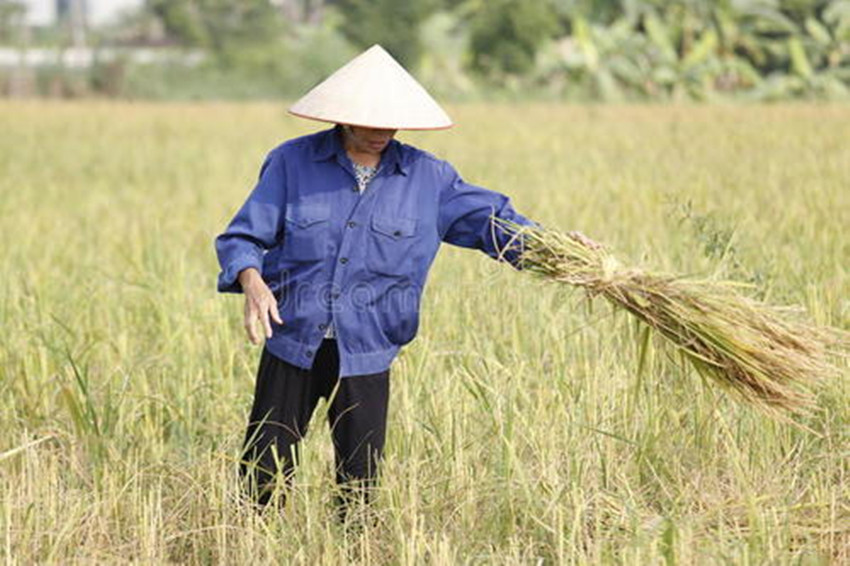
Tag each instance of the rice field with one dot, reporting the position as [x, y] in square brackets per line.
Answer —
[527, 425]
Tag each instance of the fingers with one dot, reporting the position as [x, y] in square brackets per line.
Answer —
[577, 236]
[592, 244]
[275, 313]
[264, 318]
[269, 310]
[250, 319]
[263, 307]
[584, 240]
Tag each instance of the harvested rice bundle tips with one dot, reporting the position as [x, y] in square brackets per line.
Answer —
[747, 346]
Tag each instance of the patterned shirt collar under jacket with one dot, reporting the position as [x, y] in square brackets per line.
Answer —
[364, 174]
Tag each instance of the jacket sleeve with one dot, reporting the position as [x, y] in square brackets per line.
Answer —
[466, 218]
[255, 228]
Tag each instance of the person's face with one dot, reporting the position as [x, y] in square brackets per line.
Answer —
[369, 140]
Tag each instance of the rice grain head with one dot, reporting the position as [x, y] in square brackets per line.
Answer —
[758, 352]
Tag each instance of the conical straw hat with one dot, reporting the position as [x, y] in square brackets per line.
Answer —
[375, 91]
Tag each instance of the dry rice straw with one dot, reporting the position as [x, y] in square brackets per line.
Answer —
[759, 352]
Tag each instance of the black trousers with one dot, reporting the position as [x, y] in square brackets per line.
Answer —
[284, 400]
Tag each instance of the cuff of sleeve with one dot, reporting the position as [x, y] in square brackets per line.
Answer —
[228, 279]
[510, 245]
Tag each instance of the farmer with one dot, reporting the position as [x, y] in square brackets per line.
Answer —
[332, 249]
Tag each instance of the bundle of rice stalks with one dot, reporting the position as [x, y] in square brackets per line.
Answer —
[756, 351]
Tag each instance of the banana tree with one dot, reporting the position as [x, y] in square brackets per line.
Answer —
[751, 39]
[817, 54]
[684, 54]
[683, 46]
[607, 63]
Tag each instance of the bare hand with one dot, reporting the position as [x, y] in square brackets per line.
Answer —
[584, 240]
[259, 304]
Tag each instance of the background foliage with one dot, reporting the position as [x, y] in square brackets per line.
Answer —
[578, 49]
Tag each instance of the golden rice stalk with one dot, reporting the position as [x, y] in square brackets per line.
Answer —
[753, 349]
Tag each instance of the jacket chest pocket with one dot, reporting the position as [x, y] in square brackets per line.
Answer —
[307, 232]
[391, 245]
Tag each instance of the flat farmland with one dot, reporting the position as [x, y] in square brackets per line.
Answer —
[524, 427]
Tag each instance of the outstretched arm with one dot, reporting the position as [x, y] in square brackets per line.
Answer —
[467, 214]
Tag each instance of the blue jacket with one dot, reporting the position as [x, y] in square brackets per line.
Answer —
[329, 253]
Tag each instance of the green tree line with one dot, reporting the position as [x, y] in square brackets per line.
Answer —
[606, 49]
[578, 49]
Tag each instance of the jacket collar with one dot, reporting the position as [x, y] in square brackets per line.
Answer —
[328, 144]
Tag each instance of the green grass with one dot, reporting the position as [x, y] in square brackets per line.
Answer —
[525, 424]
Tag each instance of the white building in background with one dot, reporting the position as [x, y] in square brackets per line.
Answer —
[43, 13]
[102, 12]
[39, 12]
[81, 16]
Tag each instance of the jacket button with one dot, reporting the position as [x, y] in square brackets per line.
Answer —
[351, 224]
[343, 260]
[397, 233]
[308, 353]
[322, 326]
